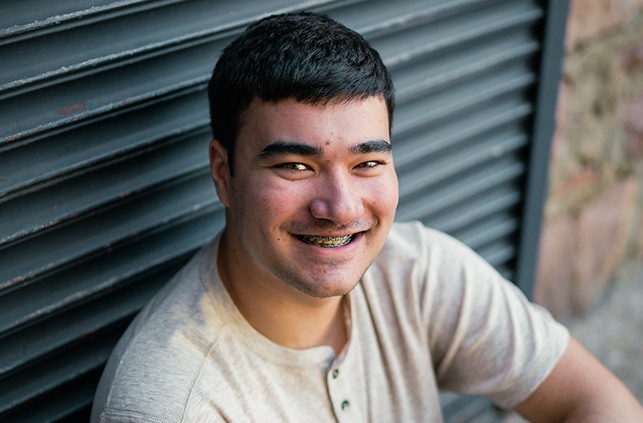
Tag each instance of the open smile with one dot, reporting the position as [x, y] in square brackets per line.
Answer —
[326, 241]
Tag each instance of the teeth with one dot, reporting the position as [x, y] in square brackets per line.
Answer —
[326, 241]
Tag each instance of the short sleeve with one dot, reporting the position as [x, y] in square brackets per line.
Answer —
[485, 336]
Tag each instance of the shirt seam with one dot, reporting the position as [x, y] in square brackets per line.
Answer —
[131, 414]
[197, 375]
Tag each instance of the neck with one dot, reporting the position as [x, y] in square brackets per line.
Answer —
[284, 315]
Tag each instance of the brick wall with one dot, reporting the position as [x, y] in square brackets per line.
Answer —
[594, 211]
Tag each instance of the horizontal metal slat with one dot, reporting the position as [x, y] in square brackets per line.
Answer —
[459, 224]
[488, 230]
[70, 401]
[439, 141]
[94, 39]
[416, 143]
[45, 376]
[180, 201]
[488, 133]
[397, 16]
[82, 147]
[417, 80]
[449, 168]
[26, 304]
[449, 32]
[463, 408]
[461, 63]
[501, 255]
[33, 15]
[76, 100]
[423, 207]
[506, 269]
[455, 113]
[493, 237]
[111, 86]
[46, 337]
[472, 82]
[391, 17]
[471, 212]
[30, 214]
[473, 209]
[104, 92]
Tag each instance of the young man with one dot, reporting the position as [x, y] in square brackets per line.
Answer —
[312, 305]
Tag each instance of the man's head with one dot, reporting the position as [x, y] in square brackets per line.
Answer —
[301, 109]
[304, 56]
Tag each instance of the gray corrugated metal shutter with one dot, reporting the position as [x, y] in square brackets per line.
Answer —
[104, 185]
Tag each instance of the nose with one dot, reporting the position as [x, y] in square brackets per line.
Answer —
[337, 198]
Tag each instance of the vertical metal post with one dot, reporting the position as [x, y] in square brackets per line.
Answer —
[543, 128]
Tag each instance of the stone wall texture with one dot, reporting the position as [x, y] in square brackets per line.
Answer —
[594, 211]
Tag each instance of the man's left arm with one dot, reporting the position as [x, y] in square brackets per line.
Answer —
[581, 389]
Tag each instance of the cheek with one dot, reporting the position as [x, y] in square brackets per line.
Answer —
[277, 201]
[383, 194]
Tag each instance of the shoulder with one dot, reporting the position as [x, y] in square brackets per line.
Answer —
[418, 275]
[413, 239]
[150, 372]
[483, 334]
[413, 249]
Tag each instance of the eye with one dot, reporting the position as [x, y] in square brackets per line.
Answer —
[295, 167]
[369, 164]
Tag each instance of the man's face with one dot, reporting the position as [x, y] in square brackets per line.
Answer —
[313, 195]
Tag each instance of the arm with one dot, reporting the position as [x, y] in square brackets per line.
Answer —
[581, 389]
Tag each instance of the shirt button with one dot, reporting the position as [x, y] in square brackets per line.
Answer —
[345, 404]
[335, 373]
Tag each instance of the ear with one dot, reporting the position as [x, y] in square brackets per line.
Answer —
[220, 170]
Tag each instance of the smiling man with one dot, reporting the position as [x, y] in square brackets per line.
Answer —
[311, 304]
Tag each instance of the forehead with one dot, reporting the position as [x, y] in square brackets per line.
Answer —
[289, 119]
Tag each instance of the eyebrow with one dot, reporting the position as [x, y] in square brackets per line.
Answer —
[285, 148]
[375, 146]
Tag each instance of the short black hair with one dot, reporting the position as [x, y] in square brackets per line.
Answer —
[305, 56]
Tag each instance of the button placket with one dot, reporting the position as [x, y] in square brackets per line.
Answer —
[338, 393]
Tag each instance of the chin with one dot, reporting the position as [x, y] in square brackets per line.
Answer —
[320, 289]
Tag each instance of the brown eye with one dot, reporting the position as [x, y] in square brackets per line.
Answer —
[298, 167]
[370, 163]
